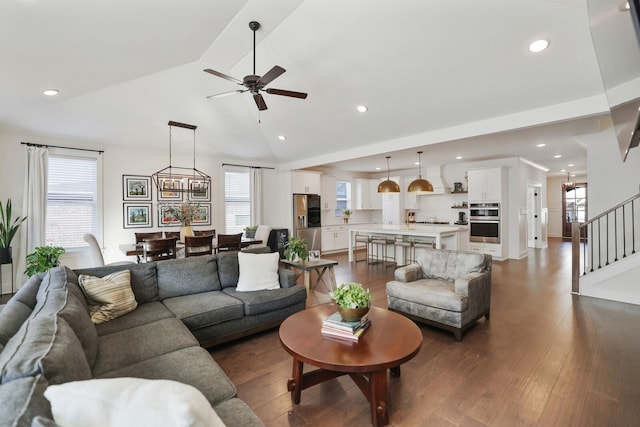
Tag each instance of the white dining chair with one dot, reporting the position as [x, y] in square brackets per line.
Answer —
[96, 253]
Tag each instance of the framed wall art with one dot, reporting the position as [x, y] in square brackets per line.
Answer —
[136, 187]
[204, 215]
[137, 215]
[170, 189]
[199, 190]
[166, 218]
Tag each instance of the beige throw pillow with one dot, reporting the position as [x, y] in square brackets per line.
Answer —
[109, 297]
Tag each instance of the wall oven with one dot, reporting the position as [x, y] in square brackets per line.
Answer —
[484, 222]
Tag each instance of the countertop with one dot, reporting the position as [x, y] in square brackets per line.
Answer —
[413, 229]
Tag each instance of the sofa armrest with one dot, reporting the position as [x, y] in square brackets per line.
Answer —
[465, 284]
[287, 277]
[408, 273]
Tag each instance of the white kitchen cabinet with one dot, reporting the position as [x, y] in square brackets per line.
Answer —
[328, 194]
[485, 185]
[391, 209]
[306, 182]
[365, 195]
[493, 249]
[335, 238]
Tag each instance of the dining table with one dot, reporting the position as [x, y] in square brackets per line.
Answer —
[135, 249]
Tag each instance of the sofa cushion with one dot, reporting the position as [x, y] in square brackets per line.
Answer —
[258, 272]
[12, 317]
[228, 269]
[27, 292]
[187, 276]
[134, 345]
[448, 265]
[205, 309]
[193, 365]
[234, 412]
[143, 278]
[110, 296]
[134, 402]
[429, 292]
[60, 278]
[44, 345]
[22, 400]
[257, 302]
[143, 314]
[61, 302]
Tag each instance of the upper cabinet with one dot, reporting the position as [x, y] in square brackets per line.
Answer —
[365, 194]
[485, 185]
[306, 182]
[328, 195]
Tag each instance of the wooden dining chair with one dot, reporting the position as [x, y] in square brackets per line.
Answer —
[172, 235]
[229, 242]
[198, 245]
[159, 249]
[141, 237]
[205, 232]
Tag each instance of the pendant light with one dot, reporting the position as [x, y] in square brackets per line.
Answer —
[388, 186]
[420, 185]
[569, 185]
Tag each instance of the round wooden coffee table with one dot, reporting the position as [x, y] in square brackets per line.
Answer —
[390, 341]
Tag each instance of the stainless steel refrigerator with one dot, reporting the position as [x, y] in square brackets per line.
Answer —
[306, 220]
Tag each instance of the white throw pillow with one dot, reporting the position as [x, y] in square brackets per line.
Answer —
[135, 402]
[110, 296]
[258, 271]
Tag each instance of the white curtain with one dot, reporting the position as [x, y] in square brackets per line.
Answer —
[34, 206]
[256, 196]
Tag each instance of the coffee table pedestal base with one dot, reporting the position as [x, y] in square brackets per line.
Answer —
[372, 384]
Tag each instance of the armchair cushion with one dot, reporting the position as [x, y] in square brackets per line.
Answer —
[408, 273]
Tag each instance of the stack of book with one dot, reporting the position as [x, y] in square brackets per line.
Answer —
[334, 327]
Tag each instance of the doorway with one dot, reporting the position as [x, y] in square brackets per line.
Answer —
[574, 207]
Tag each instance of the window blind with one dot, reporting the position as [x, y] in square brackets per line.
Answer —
[237, 201]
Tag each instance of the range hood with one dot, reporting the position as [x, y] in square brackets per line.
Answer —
[434, 176]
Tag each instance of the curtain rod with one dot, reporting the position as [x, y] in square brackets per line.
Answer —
[30, 144]
[246, 166]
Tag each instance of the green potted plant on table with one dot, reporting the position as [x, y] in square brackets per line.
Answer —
[296, 249]
[42, 259]
[352, 301]
[8, 229]
[346, 213]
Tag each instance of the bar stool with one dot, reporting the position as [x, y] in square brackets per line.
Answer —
[382, 243]
[429, 244]
[361, 238]
[408, 254]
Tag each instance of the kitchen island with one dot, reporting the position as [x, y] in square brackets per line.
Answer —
[453, 237]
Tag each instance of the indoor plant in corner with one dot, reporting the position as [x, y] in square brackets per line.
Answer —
[8, 229]
[352, 301]
[296, 250]
[42, 259]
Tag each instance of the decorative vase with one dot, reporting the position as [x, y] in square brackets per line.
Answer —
[346, 219]
[352, 314]
[185, 231]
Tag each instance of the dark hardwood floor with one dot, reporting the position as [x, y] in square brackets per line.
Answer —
[546, 358]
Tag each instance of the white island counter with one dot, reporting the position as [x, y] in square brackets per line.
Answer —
[444, 236]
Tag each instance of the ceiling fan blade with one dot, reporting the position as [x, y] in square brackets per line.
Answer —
[260, 102]
[224, 76]
[220, 95]
[290, 93]
[271, 75]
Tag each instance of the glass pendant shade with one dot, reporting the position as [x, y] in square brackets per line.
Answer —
[388, 186]
[420, 185]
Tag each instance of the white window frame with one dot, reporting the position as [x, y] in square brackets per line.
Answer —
[224, 195]
[338, 212]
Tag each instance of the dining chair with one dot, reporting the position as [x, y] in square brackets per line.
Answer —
[172, 235]
[229, 242]
[198, 245]
[159, 249]
[141, 237]
[262, 233]
[205, 232]
[96, 252]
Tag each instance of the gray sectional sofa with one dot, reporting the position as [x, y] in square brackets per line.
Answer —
[47, 337]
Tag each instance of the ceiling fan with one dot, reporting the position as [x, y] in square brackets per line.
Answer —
[254, 83]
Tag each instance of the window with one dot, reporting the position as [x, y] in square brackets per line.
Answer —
[343, 197]
[237, 201]
[72, 200]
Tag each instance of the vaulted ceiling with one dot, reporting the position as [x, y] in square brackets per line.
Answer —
[451, 78]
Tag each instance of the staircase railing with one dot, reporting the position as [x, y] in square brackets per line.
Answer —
[610, 237]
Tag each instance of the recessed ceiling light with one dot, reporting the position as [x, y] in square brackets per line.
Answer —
[557, 156]
[539, 45]
[570, 165]
[51, 92]
[282, 137]
[540, 145]
[362, 108]
[378, 169]
[458, 157]
[563, 170]
[624, 6]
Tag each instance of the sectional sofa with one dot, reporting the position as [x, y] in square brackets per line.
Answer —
[47, 336]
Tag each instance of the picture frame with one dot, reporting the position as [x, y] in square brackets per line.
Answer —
[196, 194]
[136, 187]
[171, 189]
[166, 218]
[137, 215]
[205, 215]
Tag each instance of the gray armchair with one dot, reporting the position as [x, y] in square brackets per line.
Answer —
[447, 289]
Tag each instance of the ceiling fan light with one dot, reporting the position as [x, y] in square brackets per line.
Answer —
[420, 186]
